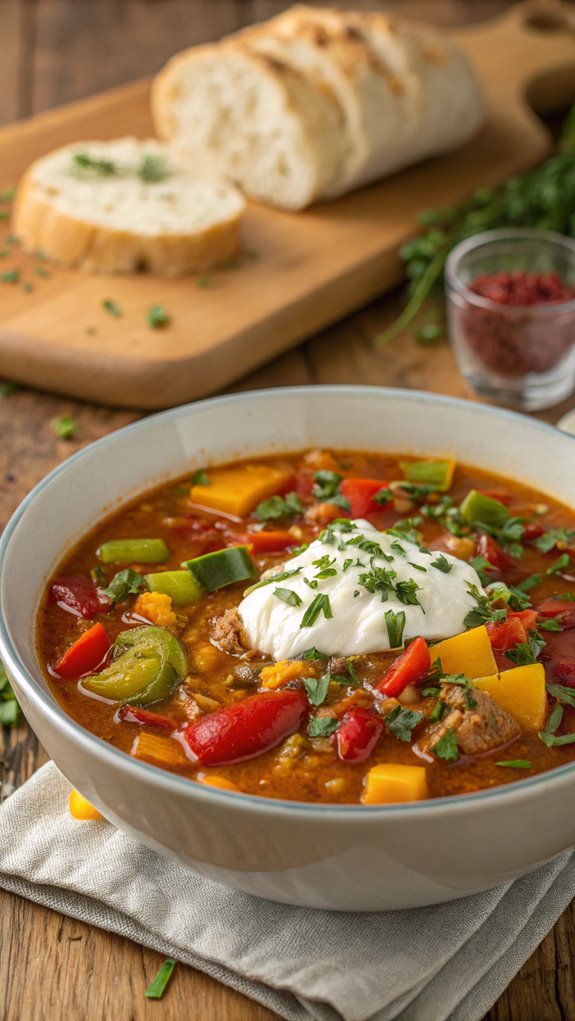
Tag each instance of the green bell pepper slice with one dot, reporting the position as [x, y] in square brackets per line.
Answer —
[148, 663]
[479, 509]
[223, 567]
[133, 551]
[180, 586]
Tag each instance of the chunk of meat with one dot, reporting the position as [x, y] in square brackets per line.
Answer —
[479, 727]
[226, 632]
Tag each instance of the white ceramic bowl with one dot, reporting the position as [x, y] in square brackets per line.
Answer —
[344, 857]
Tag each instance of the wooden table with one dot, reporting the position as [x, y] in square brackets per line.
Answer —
[52, 967]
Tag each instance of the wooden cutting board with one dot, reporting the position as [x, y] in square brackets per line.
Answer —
[300, 271]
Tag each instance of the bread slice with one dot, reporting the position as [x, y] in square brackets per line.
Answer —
[124, 206]
[399, 92]
[246, 114]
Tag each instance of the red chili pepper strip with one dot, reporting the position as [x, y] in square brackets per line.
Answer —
[492, 551]
[268, 542]
[79, 596]
[357, 735]
[247, 728]
[359, 493]
[146, 718]
[411, 667]
[85, 655]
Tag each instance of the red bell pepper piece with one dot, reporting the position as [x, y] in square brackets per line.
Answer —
[527, 617]
[247, 728]
[79, 596]
[137, 714]
[492, 551]
[411, 667]
[560, 608]
[268, 542]
[359, 493]
[304, 483]
[357, 734]
[85, 655]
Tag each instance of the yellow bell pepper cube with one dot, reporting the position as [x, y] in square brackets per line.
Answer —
[286, 670]
[80, 808]
[521, 691]
[469, 653]
[390, 783]
[221, 782]
[237, 491]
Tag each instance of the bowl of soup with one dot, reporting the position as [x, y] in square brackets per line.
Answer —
[317, 644]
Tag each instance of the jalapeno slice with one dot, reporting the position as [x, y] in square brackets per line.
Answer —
[148, 663]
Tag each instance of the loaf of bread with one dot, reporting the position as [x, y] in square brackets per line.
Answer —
[124, 206]
[317, 102]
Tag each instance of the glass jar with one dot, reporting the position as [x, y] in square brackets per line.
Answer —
[519, 355]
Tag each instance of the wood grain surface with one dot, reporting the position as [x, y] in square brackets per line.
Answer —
[53, 968]
[300, 272]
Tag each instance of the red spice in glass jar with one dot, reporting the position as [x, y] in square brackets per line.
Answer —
[517, 341]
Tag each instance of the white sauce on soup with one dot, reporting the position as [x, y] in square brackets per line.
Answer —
[338, 591]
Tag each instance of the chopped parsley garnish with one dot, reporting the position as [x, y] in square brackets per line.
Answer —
[395, 623]
[124, 583]
[157, 986]
[326, 489]
[560, 564]
[64, 427]
[551, 624]
[463, 682]
[317, 689]
[569, 597]
[273, 578]
[446, 748]
[158, 317]
[401, 722]
[112, 308]
[279, 507]
[483, 568]
[406, 592]
[379, 580]
[153, 167]
[313, 654]
[526, 652]
[528, 583]
[552, 741]
[562, 693]
[418, 567]
[555, 718]
[515, 763]
[554, 537]
[483, 613]
[322, 726]
[398, 548]
[200, 478]
[442, 564]
[383, 496]
[288, 596]
[320, 604]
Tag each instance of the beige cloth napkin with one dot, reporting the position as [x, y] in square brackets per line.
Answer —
[444, 963]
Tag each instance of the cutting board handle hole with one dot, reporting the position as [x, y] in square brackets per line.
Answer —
[546, 21]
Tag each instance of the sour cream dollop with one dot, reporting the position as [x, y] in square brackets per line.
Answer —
[338, 591]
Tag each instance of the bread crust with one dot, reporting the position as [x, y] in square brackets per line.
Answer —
[75, 243]
[404, 92]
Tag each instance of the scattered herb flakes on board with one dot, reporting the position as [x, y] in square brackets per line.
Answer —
[158, 317]
[64, 427]
[157, 986]
[112, 308]
[11, 276]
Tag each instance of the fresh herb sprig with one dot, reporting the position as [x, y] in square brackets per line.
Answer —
[543, 197]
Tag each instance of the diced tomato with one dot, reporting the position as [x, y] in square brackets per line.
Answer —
[492, 551]
[357, 734]
[507, 634]
[554, 607]
[79, 596]
[532, 531]
[137, 714]
[268, 542]
[247, 728]
[527, 617]
[411, 667]
[85, 655]
[359, 493]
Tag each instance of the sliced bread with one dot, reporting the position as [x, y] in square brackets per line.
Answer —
[124, 206]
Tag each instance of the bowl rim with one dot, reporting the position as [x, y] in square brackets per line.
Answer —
[47, 704]
[541, 311]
